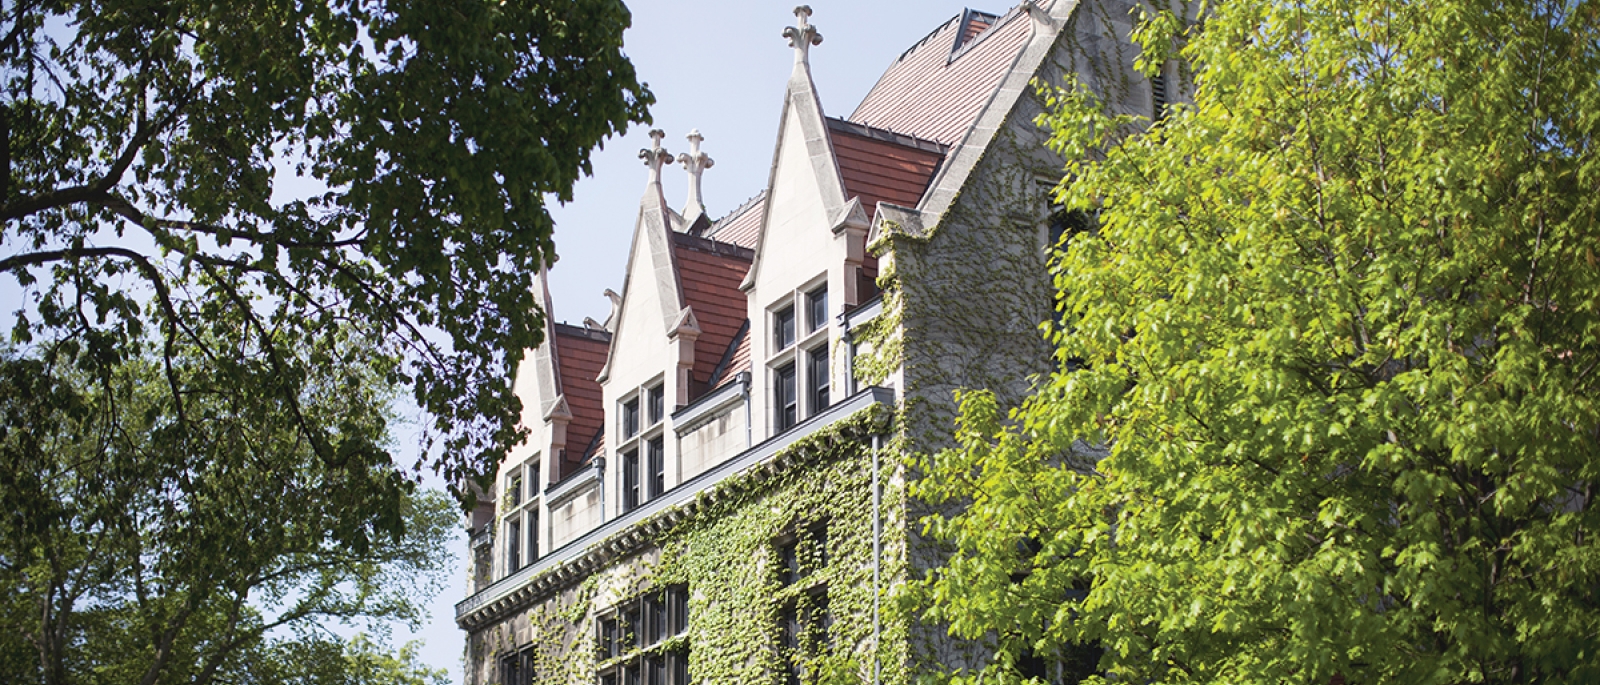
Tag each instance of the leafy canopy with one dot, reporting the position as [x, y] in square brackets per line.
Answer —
[1336, 336]
[138, 549]
[146, 151]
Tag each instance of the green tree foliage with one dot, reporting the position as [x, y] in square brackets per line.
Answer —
[1336, 336]
[135, 548]
[324, 661]
[143, 149]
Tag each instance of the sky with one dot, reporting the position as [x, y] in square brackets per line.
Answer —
[719, 67]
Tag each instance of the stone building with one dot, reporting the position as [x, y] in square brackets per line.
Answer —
[712, 490]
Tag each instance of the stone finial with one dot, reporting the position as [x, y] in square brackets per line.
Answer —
[696, 162]
[655, 156]
[802, 37]
[616, 307]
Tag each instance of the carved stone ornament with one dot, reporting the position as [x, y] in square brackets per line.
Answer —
[695, 162]
[655, 156]
[802, 37]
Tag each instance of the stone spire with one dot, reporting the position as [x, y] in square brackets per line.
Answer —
[802, 37]
[696, 162]
[655, 156]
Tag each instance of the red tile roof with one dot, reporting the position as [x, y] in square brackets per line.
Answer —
[710, 272]
[741, 226]
[877, 165]
[739, 362]
[580, 354]
[937, 88]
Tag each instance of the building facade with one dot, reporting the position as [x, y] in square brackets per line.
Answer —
[712, 491]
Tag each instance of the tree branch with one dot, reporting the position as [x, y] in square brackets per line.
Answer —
[151, 273]
[100, 188]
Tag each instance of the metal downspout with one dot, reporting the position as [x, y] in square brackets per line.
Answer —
[600, 474]
[749, 428]
[877, 559]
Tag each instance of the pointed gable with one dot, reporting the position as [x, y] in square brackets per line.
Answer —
[580, 353]
[650, 286]
[804, 187]
[936, 90]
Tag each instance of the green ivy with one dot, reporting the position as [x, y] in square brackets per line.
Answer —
[724, 552]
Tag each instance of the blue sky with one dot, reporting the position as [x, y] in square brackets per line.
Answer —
[720, 67]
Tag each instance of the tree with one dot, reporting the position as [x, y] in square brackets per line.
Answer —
[1326, 407]
[357, 661]
[145, 177]
[136, 548]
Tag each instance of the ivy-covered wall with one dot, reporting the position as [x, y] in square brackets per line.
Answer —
[965, 297]
[725, 553]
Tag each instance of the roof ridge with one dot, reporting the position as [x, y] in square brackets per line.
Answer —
[582, 332]
[700, 243]
[929, 37]
[738, 211]
[886, 135]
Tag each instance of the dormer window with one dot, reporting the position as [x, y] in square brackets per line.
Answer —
[797, 366]
[519, 516]
[783, 328]
[642, 448]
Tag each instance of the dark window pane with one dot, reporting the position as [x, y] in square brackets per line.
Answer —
[630, 418]
[655, 669]
[656, 453]
[821, 621]
[816, 309]
[655, 620]
[788, 562]
[510, 673]
[680, 668]
[630, 480]
[630, 674]
[608, 639]
[784, 397]
[1031, 665]
[789, 627]
[656, 403]
[817, 379]
[783, 328]
[609, 678]
[527, 664]
[514, 488]
[627, 635]
[1065, 224]
[678, 607]
[513, 546]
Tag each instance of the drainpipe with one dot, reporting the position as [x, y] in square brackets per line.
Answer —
[600, 474]
[877, 560]
[744, 382]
